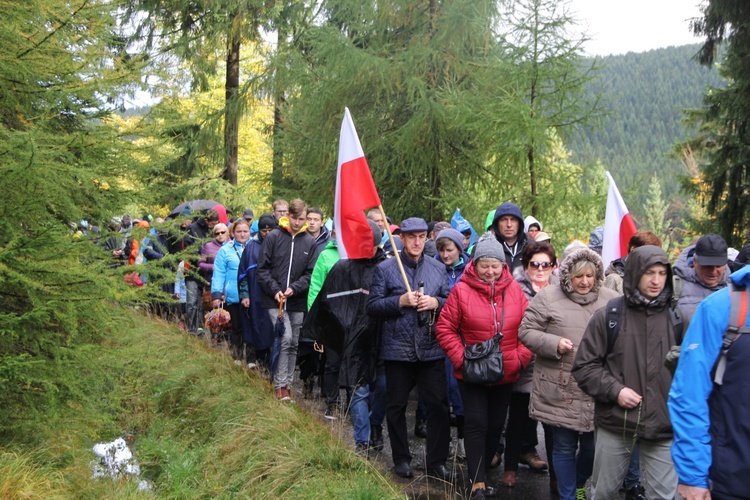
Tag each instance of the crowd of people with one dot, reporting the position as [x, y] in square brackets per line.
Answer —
[589, 352]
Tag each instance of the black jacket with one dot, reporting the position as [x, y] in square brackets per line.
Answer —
[339, 321]
[286, 261]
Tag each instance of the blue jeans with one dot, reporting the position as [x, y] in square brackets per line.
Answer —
[572, 471]
[359, 409]
[378, 399]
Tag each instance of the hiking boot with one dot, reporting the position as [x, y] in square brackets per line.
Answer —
[509, 478]
[533, 460]
[403, 469]
[420, 428]
[580, 493]
[332, 412]
[376, 437]
[489, 491]
[636, 492]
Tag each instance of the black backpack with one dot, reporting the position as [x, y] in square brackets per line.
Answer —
[614, 315]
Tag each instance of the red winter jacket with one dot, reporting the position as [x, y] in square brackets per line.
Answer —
[478, 309]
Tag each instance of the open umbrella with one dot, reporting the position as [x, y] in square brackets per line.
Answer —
[278, 331]
[195, 206]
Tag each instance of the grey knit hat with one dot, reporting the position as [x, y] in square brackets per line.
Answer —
[488, 248]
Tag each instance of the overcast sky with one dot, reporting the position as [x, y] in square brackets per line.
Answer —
[618, 27]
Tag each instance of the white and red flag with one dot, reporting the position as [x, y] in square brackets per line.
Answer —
[355, 193]
[618, 226]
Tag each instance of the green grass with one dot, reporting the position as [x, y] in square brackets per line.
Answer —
[201, 427]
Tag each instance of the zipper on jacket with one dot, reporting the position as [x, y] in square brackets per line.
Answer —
[289, 270]
[494, 309]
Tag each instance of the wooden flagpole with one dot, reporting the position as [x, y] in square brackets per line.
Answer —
[395, 250]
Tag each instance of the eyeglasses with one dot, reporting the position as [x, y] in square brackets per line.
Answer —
[543, 265]
[220, 232]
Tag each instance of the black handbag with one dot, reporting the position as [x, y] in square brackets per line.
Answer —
[483, 362]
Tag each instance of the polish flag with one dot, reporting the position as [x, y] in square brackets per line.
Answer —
[618, 226]
[355, 193]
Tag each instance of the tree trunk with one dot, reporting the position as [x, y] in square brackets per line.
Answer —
[231, 112]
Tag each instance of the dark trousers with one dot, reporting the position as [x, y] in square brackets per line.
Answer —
[484, 411]
[235, 336]
[520, 433]
[331, 377]
[429, 376]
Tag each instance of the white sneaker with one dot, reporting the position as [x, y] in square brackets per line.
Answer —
[252, 366]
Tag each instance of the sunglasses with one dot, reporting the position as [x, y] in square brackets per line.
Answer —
[220, 232]
[543, 265]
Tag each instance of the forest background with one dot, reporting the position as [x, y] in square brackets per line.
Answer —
[460, 104]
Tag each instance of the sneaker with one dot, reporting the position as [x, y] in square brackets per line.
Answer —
[332, 413]
[533, 460]
[252, 366]
[580, 493]
[636, 492]
[279, 393]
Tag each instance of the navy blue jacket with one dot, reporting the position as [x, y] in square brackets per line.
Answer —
[402, 337]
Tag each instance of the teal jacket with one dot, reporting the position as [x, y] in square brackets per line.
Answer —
[326, 259]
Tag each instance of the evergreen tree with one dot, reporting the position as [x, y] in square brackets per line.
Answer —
[58, 156]
[724, 143]
[542, 43]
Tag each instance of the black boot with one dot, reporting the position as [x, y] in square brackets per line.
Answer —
[376, 437]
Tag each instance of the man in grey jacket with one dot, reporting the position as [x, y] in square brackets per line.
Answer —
[699, 271]
[627, 377]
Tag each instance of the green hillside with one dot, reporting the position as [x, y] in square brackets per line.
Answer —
[645, 94]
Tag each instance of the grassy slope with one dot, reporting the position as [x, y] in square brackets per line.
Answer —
[202, 427]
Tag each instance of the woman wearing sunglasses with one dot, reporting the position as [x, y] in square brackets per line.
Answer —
[539, 260]
[210, 249]
[552, 328]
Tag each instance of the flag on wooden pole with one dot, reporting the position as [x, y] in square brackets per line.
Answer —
[618, 226]
[355, 193]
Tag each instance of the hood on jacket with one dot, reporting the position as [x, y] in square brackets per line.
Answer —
[284, 223]
[683, 267]
[528, 221]
[741, 277]
[512, 209]
[571, 259]
[638, 261]
[617, 266]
